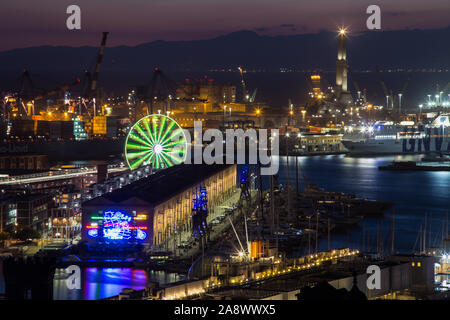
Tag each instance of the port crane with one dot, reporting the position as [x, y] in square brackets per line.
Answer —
[247, 97]
[161, 88]
[405, 86]
[442, 92]
[389, 94]
[93, 83]
[360, 94]
[447, 87]
[29, 93]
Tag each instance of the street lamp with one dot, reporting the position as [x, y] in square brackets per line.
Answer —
[258, 113]
[399, 103]
[420, 111]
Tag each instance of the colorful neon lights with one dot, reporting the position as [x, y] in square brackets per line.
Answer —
[139, 228]
[200, 212]
[141, 217]
[93, 233]
[116, 225]
[141, 235]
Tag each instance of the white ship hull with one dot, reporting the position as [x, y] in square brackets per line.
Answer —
[388, 138]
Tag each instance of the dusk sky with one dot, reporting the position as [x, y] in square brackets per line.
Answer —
[43, 22]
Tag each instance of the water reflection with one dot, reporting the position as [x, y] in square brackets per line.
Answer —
[100, 283]
[414, 192]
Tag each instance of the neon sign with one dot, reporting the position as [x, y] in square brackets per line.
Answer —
[116, 225]
[93, 233]
[141, 235]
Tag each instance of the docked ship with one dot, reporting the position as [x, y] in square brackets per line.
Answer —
[406, 137]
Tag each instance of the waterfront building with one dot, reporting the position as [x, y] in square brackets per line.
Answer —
[63, 224]
[155, 209]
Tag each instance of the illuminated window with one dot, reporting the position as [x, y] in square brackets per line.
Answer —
[412, 264]
[418, 264]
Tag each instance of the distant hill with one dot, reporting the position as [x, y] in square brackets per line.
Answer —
[388, 49]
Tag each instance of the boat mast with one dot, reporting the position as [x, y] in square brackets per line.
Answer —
[425, 234]
[393, 231]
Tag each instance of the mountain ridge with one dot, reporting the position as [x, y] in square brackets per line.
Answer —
[317, 51]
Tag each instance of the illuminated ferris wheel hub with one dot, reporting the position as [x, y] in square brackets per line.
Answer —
[157, 148]
[157, 140]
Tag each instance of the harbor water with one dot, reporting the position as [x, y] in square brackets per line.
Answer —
[100, 283]
[415, 194]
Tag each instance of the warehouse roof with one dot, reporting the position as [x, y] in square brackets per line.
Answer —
[164, 184]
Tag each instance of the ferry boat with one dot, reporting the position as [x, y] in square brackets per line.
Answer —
[387, 137]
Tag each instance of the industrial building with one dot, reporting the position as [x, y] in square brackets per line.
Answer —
[153, 209]
[23, 162]
[207, 90]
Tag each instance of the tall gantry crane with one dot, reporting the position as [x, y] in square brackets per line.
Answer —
[244, 87]
[360, 94]
[395, 103]
[91, 93]
[389, 95]
[161, 90]
[29, 93]
[246, 95]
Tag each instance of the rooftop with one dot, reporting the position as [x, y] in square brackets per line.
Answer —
[162, 185]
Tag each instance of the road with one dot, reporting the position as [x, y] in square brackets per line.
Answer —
[51, 176]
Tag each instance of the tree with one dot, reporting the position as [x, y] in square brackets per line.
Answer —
[26, 233]
[4, 236]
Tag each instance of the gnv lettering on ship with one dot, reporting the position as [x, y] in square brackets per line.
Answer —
[426, 144]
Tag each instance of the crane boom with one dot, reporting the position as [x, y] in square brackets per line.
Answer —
[385, 89]
[406, 83]
[446, 88]
[244, 88]
[355, 84]
[97, 66]
[253, 96]
[56, 90]
[383, 84]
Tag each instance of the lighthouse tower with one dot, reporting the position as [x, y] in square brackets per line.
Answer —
[341, 68]
[341, 62]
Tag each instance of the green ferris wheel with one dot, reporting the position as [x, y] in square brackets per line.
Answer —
[157, 140]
